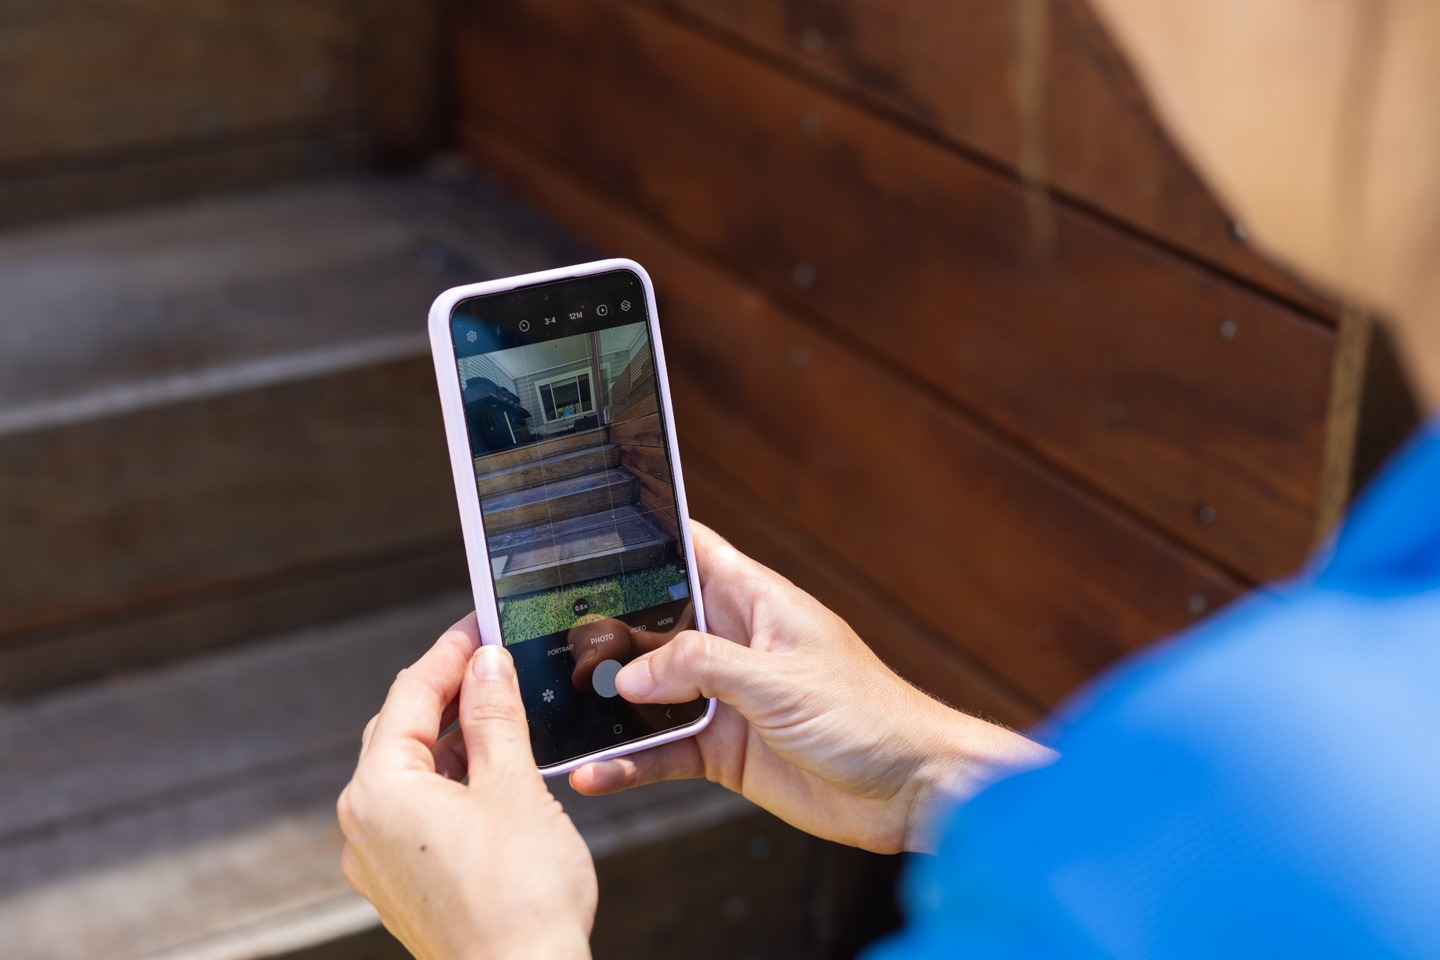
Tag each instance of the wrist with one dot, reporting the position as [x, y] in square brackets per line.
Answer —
[548, 943]
[963, 755]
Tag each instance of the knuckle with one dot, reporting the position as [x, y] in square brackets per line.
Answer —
[355, 804]
[694, 652]
[349, 868]
[345, 811]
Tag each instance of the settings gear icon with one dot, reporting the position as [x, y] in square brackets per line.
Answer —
[548, 695]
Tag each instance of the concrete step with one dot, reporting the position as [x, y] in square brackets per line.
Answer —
[548, 469]
[553, 502]
[599, 544]
[549, 447]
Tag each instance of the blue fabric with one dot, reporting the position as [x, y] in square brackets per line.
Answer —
[1266, 785]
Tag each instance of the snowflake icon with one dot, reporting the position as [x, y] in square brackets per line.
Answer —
[548, 695]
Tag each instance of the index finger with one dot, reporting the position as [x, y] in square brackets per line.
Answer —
[409, 722]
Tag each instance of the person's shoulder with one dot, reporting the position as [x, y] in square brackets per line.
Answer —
[1268, 767]
[1281, 669]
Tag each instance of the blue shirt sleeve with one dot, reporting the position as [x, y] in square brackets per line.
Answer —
[1268, 786]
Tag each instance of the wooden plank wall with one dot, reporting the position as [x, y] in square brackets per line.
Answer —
[130, 102]
[636, 430]
[1008, 467]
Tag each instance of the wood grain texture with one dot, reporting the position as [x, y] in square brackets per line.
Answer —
[405, 72]
[642, 431]
[657, 486]
[952, 69]
[112, 512]
[191, 811]
[126, 179]
[1110, 359]
[1044, 584]
[927, 657]
[90, 77]
[635, 384]
[154, 369]
[133, 102]
[200, 621]
[645, 406]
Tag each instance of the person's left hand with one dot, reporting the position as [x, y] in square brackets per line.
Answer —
[494, 868]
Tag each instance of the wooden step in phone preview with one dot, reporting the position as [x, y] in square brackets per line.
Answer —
[587, 547]
[562, 511]
[548, 467]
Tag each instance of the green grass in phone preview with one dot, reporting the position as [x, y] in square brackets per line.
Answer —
[553, 611]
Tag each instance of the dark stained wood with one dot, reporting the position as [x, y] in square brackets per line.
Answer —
[1043, 583]
[952, 68]
[1111, 359]
[554, 446]
[405, 73]
[636, 383]
[231, 403]
[929, 658]
[132, 178]
[191, 811]
[203, 620]
[134, 102]
[737, 890]
[657, 486]
[643, 431]
[645, 406]
[543, 469]
[87, 78]
[111, 512]
[647, 460]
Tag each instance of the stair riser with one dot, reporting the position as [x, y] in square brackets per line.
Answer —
[602, 458]
[563, 507]
[506, 459]
[583, 568]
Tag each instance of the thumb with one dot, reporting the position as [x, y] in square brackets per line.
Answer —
[698, 664]
[492, 718]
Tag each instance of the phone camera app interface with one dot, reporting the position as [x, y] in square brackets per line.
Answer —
[562, 407]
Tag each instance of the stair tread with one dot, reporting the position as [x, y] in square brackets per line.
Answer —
[556, 459]
[583, 483]
[519, 456]
[151, 366]
[168, 291]
[216, 836]
[618, 535]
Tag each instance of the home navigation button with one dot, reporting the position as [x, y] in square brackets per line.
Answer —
[603, 679]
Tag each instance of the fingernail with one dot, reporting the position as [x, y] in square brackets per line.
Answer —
[636, 680]
[490, 663]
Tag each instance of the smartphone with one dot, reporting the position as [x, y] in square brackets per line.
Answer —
[557, 414]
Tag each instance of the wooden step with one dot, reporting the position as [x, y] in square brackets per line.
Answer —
[582, 548]
[552, 502]
[548, 469]
[549, 447]
[190, 811]
[220, 417]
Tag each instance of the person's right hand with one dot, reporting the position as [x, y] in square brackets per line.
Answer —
[811, 725]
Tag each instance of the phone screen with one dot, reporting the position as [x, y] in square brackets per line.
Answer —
[567, 429]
